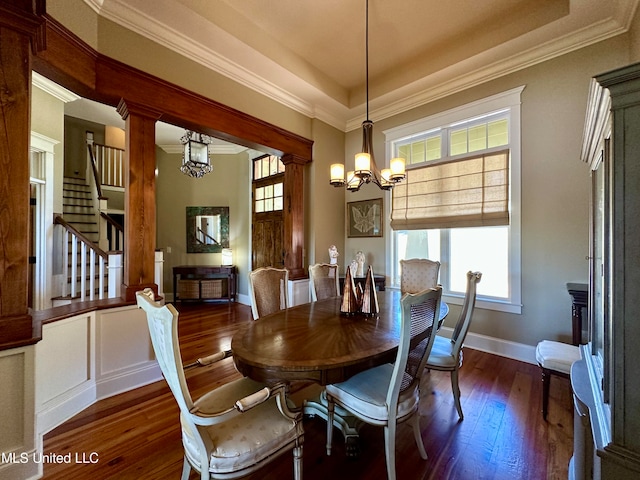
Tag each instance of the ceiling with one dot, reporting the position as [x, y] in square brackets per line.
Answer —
[310, 55]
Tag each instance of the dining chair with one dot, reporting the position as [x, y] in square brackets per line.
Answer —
[389, 394]
[446, 354]
[418, 274]
[554, 358]
[268, 287]
[324, 281]
[232, 430]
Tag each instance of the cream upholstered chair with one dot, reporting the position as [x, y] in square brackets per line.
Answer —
[446, 354]
[268, 287]
[323, 281]
[554, 358]
[418, 274]
[390, 393]
[232, 430]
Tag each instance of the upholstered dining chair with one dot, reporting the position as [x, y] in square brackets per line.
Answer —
[418, 274]
[268, 287]
[446, 354]
[390, 394]
[323, 281]
[554, 358]
[235, 428]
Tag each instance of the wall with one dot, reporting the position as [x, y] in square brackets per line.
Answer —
[75, 146]
[555, 187]
[228, 185]
[324, 204]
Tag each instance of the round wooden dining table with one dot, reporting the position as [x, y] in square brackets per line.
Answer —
[315, 342]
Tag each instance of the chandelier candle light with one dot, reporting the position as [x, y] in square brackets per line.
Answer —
[366, 170]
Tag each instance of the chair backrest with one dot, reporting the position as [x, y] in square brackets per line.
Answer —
[420, 313]
[268, 287]
[163, 329]
[418, 274]
[462, 325]
[324, 281]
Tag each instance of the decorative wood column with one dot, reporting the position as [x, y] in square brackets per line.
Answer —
[294, 214]
[139, 199]
[19, 28]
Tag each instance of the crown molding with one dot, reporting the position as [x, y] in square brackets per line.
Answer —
[53, 89]
[276, 83]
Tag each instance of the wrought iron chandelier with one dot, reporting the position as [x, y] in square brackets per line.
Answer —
[366, 170]
[196, 157]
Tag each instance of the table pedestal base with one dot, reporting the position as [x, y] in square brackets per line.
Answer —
[342, 420]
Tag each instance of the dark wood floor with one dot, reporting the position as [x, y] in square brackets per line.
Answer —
[136, 435]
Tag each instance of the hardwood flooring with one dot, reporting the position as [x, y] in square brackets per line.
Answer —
[136, 435]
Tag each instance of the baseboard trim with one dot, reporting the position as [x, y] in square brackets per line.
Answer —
[123, 381]
[497, 346]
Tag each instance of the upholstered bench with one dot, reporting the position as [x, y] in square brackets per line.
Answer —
[554, 358]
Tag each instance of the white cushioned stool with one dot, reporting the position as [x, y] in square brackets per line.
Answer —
[557, 358]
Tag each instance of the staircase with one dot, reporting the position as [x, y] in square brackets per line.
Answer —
[86, 275]
[77, 207]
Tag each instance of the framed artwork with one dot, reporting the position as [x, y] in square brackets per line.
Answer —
[207, 229]
[364, 218]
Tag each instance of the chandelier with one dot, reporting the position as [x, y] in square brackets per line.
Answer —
[196, 157]
[366, 170]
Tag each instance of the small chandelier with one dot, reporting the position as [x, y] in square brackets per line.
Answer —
[366, 170]
[196, 158]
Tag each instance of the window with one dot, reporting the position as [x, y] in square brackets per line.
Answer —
[268, 193]
[460, 202]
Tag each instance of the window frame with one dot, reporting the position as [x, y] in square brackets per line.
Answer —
[509, 100]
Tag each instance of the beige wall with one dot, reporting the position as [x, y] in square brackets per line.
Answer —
[227, 186]
[555, 187]
[47, 118]
[324, 204]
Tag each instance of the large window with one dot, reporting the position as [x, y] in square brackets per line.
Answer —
[460, 203]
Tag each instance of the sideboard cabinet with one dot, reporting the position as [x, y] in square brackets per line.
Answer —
[606, 382]
[204, 282]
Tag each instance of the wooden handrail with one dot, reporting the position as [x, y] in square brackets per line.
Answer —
[112, 222]
[94, 168]
[58, 220]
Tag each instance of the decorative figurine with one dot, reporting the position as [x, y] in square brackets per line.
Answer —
[354, 268]
[333, 255]
[360, 260]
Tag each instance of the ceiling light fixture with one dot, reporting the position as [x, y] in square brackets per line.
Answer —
[366, 170]
[196, 158]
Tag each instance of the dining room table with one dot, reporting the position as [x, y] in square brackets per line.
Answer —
[315, 342]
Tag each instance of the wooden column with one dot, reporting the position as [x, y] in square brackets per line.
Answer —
[140, 198]
[294, 214]
[18, 33]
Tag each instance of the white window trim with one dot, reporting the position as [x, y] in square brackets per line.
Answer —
[510, 99]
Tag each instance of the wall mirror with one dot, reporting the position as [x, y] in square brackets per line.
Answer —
[207, 229]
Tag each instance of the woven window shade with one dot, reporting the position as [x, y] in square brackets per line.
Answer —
[471, 192]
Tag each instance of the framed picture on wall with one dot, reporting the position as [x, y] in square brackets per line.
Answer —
[364, 218]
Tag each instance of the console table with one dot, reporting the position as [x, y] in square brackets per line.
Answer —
[379, 281]
[204, 282]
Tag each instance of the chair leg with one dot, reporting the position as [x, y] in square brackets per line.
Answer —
[390, 449]
[330, 409]
[297, 463]
[456, 392]
[546, 380]
[415, 423]
[186, 469]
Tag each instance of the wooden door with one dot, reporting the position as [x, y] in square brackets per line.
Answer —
[268, 247]
[267, 220]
